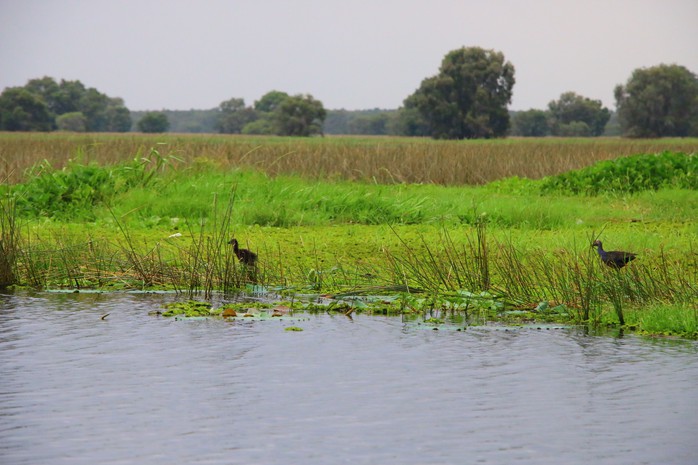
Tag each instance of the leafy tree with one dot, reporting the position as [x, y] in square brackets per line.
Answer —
[264, 125]
[73, 121]
[234, 116]
[118, 117]
[22, 110]
[93, 105]
[153, 121]
[63, 97]
[659, 101]
[571, 109]
[300, 115]
[530, 123]
[469, 97]
[370, 124]
[100, 112]
[574, 129]
[409, 122]
[187, 120]
[270, 101]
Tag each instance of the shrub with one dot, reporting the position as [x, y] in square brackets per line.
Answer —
[629, 175]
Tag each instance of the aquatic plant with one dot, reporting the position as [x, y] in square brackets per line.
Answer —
[9, 236]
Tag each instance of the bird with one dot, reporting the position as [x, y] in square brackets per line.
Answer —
[615, 258]
[244, 255]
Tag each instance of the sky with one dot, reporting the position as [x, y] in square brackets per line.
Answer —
[350, 54]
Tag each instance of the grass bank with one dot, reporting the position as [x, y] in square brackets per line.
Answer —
[516, 249]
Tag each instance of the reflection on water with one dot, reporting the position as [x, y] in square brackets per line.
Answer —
[75, 389]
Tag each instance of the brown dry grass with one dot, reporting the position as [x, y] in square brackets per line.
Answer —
[377, 159]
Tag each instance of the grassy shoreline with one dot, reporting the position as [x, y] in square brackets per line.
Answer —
[505, 250]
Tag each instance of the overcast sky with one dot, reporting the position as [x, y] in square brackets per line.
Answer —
[352, 54]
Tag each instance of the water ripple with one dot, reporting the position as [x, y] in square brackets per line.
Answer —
[133, 388]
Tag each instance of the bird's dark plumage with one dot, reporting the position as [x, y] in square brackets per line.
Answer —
[245, 256]
[614, 258]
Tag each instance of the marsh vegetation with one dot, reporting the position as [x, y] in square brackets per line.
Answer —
[495, 230]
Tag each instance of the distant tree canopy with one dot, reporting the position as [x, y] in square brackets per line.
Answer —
[468, 98]
[530, 123]
[375, 121]
[41, 102]
[153, 122]
[576, 116]
[234, 116]
[275, 113]
[659, 101]
[21, 110]
[300, 115]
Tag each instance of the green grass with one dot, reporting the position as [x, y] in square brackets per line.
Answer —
[155, 221]
[666, 320]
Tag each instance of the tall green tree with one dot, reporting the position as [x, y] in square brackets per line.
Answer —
[660, 101]
[233, 116]
[118, 117]
[574, 115]
[468, 98]
[22, 110]
[300, 115]
[153, 122]
[270, 101]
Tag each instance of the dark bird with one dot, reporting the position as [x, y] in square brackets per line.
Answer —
[614, 259]
[245, 256]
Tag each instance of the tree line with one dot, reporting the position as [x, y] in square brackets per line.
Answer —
[467, 98]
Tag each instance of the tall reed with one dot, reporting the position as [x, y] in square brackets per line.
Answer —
[9, 232]
[378, 159]
[523, 278]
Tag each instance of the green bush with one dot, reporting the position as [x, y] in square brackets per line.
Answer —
[74, 191]
[632, 174]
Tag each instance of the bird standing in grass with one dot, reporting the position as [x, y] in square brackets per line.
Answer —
[614, 258]
[244, 255]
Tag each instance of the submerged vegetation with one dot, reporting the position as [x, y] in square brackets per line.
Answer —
[517, 249]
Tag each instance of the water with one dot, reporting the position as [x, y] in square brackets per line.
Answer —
[133, 388]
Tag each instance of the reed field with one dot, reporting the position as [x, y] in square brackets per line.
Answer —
[498, 230]
[372, 159]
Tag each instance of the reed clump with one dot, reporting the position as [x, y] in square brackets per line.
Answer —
[9, 241]
[524, 278]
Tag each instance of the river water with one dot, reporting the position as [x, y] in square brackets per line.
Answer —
[133, 388]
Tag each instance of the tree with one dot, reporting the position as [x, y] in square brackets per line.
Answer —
[469, 97]
[300, 115]
[22, 110]
[234, 116]
[100, 112]
[153, 121]
[73, 121]
[571, 109]
[530, 123]
[264, 125]
[63, 97]
[118, 117]
[409, 122]
[660, 101]
[375, 124]
[270, 101]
